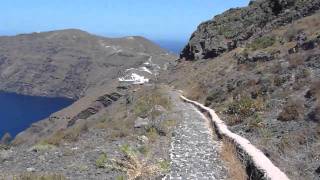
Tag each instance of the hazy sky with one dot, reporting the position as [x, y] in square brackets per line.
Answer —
[154, 19]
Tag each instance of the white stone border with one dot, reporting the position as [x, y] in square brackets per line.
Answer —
[259, 159]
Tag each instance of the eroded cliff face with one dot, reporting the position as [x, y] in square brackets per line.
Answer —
[231, 29]
[69, 63]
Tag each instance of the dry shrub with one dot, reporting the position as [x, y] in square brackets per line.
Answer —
[315, 90]
[34, 176]
[318, 129]
[149, 100]
[261, 42]
[314, 115]
[293, 110]
[196, 91]
[55, 139]
[236, 170]
[73, 133]
[134, 166]
[118, 127]
[295, 60]
[70, 135]
[284, 144]
[291, 33]
[243, 108]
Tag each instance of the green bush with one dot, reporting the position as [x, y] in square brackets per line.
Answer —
[102, 161]
[146, 103]
[261, 43]
[144, 149]
[245, 107]
[42, 146]
[164, 165]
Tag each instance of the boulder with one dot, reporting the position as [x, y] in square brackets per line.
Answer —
[314, 115]
[143, 139]
[5, 156]
[141, 122]
[318, 170]
[159, 108]
[244, 58]
[6, 139]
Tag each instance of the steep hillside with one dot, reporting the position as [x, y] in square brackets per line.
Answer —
[258, 67]
[69, 63]
[234, 27]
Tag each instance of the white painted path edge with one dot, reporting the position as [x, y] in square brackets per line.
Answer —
[259, 159]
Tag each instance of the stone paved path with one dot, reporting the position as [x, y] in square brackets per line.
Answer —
[194, 152]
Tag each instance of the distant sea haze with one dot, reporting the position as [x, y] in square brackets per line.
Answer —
[174, 47]
[18, 112]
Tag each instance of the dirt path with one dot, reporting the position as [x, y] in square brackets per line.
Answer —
[194, 152]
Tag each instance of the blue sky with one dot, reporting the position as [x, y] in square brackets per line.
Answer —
[155, 19]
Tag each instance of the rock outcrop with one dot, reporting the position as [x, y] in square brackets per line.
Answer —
[236, 26]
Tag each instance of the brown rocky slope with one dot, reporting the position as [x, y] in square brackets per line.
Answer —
[258, 67]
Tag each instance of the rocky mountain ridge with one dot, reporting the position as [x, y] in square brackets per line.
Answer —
[235, 27]
[69, 63]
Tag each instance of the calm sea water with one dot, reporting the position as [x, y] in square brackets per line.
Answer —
[172, 46]
[18, 112]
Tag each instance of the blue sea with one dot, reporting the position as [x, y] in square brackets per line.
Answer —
[18, 112]
[174, 47]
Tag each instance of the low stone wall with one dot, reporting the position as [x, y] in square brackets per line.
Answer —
[258, 166]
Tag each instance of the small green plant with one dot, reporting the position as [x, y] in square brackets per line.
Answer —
[244, 107]
[134, 166]
[101, 162]
[291, 33]
[265, 135]
[256, 121]
[152, 134]
[169, 123]
[42, 146]
[284, 144]
[261, 43]
[144, 149]
[227, 31]
[146, 104]
[120, 178]
[164, 165]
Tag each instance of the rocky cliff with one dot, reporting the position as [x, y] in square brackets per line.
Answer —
[258, 67]
[234, 27]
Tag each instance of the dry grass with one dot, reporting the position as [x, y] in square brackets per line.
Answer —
[310, 25]
[293, 110]
[134, 166]
[148, 100]
[296, 60]
[33, 176]
[195, 91]
[239, 110]
[116, 122]
[236, 170]
[70, 135]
